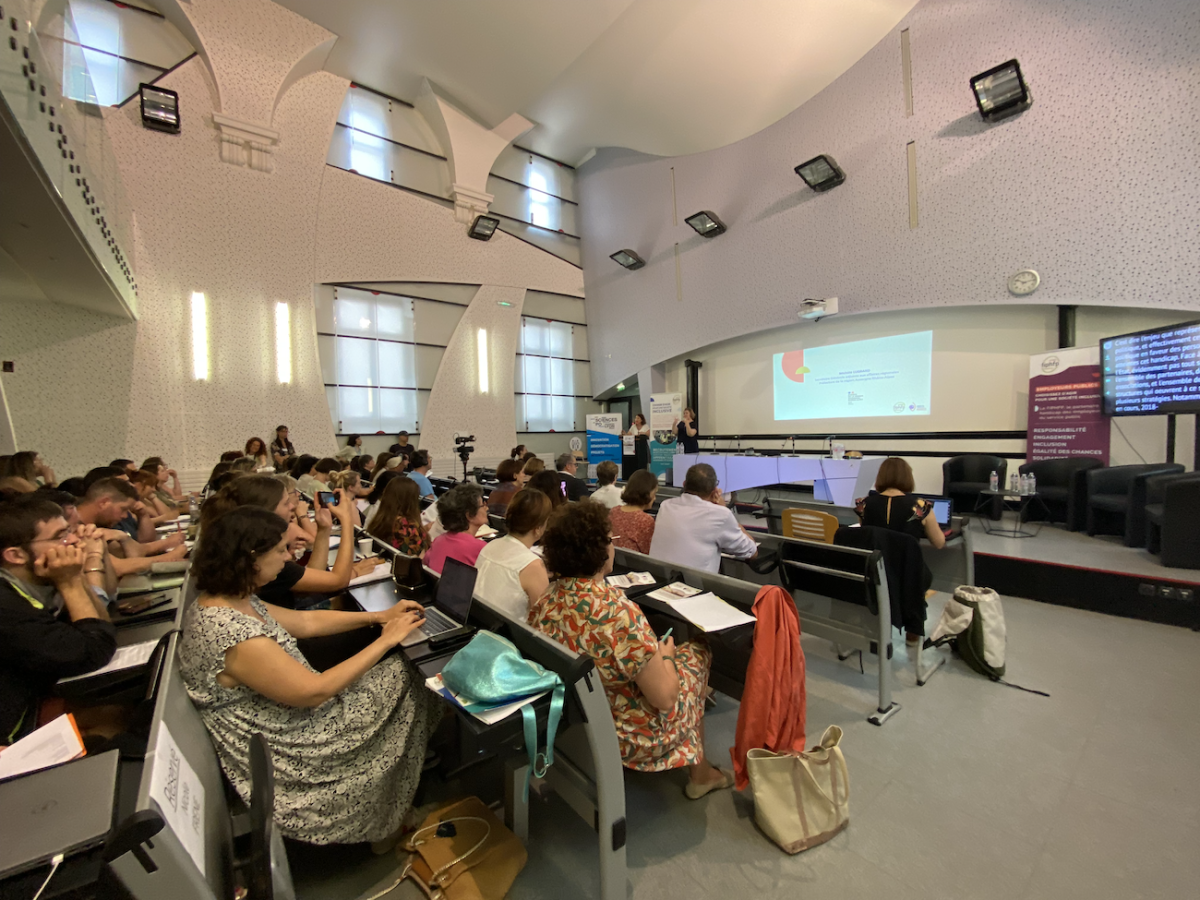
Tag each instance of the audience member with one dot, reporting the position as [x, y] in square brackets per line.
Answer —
[266, 492]
[127, 464]
[381, 462]
[576, 487]
[348, 480]
[462, 512]
[42, 566]
[396, 463]
[102, 577]
[607, 494]
[302, 472]
[419, 462]
[376, 495]
[632, 526]
[110, 504]
[893, 504]
[533, 465]
[364, 465]
[281, 447]
[518, 453]
[73, 486]
[146, 485]
[99, 472]
[173, 495]
[511, 576]
[345, 771]
[687, 432]
[656, 690]
[549, 484]
[397, 519]
[28, 464]
[506, 473]
[695, 528]
[354, 442]
[257, 450]
[244, 464]
[402, 447]
[231, 455]
[12, 487]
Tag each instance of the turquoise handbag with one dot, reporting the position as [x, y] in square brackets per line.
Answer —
[490, 671]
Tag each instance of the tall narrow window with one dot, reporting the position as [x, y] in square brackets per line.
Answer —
[199, 336]
[545, 359]
[283, 343]
[482, 354]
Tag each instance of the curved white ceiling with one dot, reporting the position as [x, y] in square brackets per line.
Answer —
[667, 77]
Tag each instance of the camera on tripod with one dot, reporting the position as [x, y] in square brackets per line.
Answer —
[465, 448]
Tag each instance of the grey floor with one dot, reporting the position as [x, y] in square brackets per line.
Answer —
[972, 790]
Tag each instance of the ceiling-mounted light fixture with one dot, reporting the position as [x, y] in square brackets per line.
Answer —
[1001, 91]
[483, 228]
[821, 173]
[706, 224]
[160, 108]
[621, 386]
[628, 259]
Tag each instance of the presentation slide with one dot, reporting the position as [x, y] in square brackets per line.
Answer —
[887, 376]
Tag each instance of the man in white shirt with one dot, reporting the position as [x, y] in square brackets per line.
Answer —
[607, 493]
[695, 528]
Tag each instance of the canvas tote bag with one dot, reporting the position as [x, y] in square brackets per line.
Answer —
[801, 799]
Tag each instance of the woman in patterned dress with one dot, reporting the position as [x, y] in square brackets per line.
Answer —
[655, 690]
[398, 518]
[348, 743]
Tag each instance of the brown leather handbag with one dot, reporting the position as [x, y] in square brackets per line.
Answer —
[463, 852]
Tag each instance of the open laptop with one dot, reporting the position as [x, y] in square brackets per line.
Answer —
[451, 602]
[66, 809]
[943, 511]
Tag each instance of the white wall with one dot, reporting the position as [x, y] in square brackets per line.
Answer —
[1093, 186]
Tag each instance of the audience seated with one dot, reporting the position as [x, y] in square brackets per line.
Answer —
[364, 465]
[52, 624]
[171, 494]
[127, 464]
[302, 472]
[695, 528]
[347, 744]
[28, 464]
[576, 487]
[12, 487]
[266, 492]
[256, 449]
[109, 504]
[398, 518]
[511, 576]
[402, 447]
[281, 447]
[607, 494]
[533, 465]
[146, 485]
[506, 473]
[348, 480]
[73, 486]
[396, 463]
[893, 505]
[462, 513]
[656, 691]
[549, 484]
[373, 498]
[632, 526]
[518, 453]
[419, 462]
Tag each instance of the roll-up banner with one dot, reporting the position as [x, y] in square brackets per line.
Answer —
[1065, 417]
[604, 440]
[665, 412]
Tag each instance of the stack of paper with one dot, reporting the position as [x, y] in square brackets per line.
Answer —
[382, 572]
[52, 744]
[125, 658]
[707, 612]
[629, 579]
[487, 716]
[676, 591]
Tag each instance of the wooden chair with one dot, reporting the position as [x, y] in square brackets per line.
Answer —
[809, 525]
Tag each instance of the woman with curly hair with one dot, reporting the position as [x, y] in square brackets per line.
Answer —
[347, 743]
[256, 449]
[655, 690]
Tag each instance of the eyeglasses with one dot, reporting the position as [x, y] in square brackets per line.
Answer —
[64, 538]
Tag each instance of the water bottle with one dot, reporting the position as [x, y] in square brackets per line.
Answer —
[1013, 484]
[1024, 485]
[1032, 483]
[994, 481]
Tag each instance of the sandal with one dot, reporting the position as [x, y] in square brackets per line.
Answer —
[696, 791]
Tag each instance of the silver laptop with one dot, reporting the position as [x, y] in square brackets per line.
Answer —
[451, 603]
[66, 809]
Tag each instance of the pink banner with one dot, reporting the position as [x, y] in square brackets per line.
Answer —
[1065, 417]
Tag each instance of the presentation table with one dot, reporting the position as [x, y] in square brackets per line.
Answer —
[836, 481]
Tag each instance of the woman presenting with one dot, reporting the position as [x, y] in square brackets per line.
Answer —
[640, 431]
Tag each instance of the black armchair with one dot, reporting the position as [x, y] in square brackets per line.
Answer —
[1116, 499]
[963, 477]
[1062, 487]
[1172, 514]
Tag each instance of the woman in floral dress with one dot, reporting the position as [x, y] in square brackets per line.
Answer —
[655, 689]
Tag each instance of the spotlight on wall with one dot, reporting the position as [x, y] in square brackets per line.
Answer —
[821, 173]
[706, 224]
[1001, 91]
[483, 228]
[283, 343]
[481, 346]
[628, 259]
[199, 336]
[160, 108]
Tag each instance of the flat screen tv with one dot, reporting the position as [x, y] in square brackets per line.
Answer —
[1152, 373]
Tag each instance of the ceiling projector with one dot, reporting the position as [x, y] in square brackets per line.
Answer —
[818, 309]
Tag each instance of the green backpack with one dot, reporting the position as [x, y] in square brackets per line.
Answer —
[973, 624]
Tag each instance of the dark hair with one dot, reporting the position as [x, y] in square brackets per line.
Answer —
[99, 472]
[144, 477]
[121, 463]
[261, 443]
[350, 439]
[507, 470]
[303, 465]
[231, 455]
[115, 489]
[73, 486]
[227, 477]
[279, 428]
[381, 460]
[20, 518]
[218, 470]
[419, 459]
[457, 505]
[527, 511]
[549, 484]
[56, 495]
[517, 451]
[21, 465]
[401, 499]
[152, 463]
[326, 465]
[4, 460]
[381, 484]
[606, 472]
[701, 479]
[639, 416]
[639, 490]
[576, 543]
[563, 460]
[260, 491]
[895, 473]
[224, 560]
[356, 465]
[243, 464]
